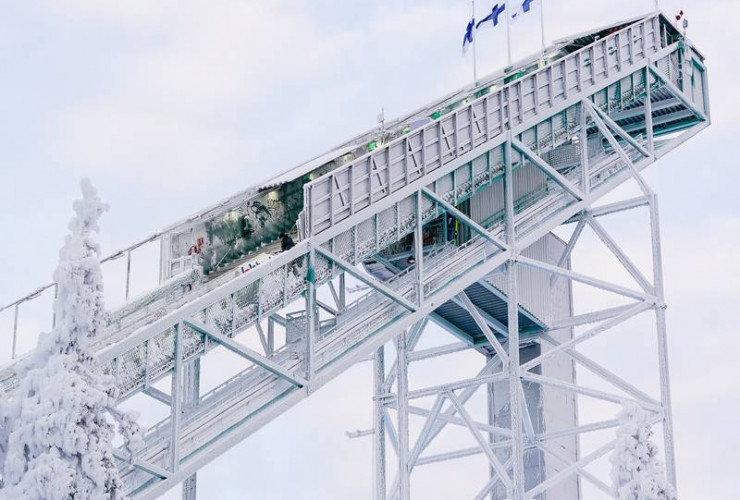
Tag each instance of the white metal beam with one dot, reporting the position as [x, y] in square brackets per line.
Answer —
[677, 92]
[372, 283]
[587, 318]
[483, 326]
[660, 322]
[150, 468]
[379, 456]
[248, 354]
[620, 131]
[402, 384]
[547, 169]
[620, 206]
[465, 219]
[494, 461]
[621, 256]
[569, 470]
[602, 372]
[592, 110]
[606, 325]
[517, 484]
[588, 280]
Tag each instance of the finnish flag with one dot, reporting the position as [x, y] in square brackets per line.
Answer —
[526, 6]
[492, 19]
[468, 35]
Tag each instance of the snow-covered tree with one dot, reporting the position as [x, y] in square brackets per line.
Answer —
[59, 424]
[637, 472]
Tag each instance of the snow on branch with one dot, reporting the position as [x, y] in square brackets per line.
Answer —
[637, 472]
[57, 428]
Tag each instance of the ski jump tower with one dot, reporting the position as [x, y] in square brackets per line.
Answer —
[444, 217]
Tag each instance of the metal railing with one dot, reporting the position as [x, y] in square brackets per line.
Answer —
[356, 185]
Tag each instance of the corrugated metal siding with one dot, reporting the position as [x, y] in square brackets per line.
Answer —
[534, 285]
[560, 411]
[488, 203]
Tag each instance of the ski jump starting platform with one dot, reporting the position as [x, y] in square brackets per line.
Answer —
[444, 216]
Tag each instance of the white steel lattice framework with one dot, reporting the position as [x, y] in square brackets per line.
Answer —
[502, 364]
[545, 147]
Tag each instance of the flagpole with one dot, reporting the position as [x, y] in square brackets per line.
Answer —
[542, 23]
[508, 34]
[475, 57]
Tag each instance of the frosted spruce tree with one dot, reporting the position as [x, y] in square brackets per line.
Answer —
[58, 426]
[637, 473]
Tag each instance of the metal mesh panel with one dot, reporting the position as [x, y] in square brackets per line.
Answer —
[161, 352]
[322, 268]
[295, 282]
[246, 307]
[387, 226]
[192, 342]
[295, 328]
[271, 289]
[130, 367]
[564, 155]
[366, 237]
[220, 316]
[463, 181]
[480, 172]
[407, 208]
[343, 246]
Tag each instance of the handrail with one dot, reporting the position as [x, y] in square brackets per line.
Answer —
[346, 170]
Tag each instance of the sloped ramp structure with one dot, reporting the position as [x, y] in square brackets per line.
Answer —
[444, 216]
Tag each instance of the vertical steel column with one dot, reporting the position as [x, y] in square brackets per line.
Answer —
[649, 114]
[128, 273]
[419, 249]
[176, 406]
[342, 293]
[585, 173]
[491, 409]
[15, 330]
[379, 491]
[310, 315]
[517, 450]
[191, 394]
[270, 335]
[402, 386]
[665, 386]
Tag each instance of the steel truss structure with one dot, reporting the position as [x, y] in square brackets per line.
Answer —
[502, 364]
[546, 147]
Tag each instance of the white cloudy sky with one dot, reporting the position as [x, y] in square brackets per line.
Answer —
[170, 105]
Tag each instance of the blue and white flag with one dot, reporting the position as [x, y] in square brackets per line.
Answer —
[492, 19]
[468, 35]
[523, 8]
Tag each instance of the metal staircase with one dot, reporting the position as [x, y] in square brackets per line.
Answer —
[583, 119]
